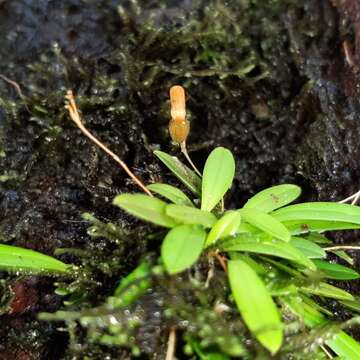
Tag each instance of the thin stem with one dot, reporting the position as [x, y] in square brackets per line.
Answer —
[75, 117]
[17, 89]
[210, 273]
[323, 348]
[222, 204]
[221, 259]
[342, 247]
[354, 197]
[184, 151]
[171, 345]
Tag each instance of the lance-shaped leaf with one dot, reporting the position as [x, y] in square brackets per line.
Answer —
[218, 175]
[336, 271]
[273, 197]
[352, 304]
[181, 171]
[227, 225]
[319, 211]
[327, 290]
[146, 208]
[254, 244]
[304, 226]
[266, 223]
[171, 193]
[343, 255]
[181, 247]
[342, 344]
[255, 304]
[191, 215]
[18, 259]
[308, 248]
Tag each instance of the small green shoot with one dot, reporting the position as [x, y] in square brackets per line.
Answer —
[132, 286]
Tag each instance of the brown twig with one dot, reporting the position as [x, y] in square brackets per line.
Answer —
[348, 54]
[221, 259]
[17, 89]
[75, 117]
[171, 345]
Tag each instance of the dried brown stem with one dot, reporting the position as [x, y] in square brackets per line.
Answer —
[17, 89]
[171, 345]
[75, 117]
[221, 259]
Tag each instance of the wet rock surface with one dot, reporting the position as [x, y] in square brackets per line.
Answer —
[277, 89]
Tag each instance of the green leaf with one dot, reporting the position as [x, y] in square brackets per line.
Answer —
[304, 226]
[146, 208]
[343, 255]
[171, 193]
[308, 248]
[132, 286]
[266, 223]
[191, 215]
[181, 247]
[352, 304]
[327, 290]
[336, 271]
[140, 272]
[18, 259]
[218, 175]
[318, 238]
[181, 171]
[342, 344]
[273, 198]
[258, 267]
[328, 211]
[255, 304]
[247, 228]
[255, 244]
[227, 225]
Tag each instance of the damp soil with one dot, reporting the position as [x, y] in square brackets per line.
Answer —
[276, 82]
